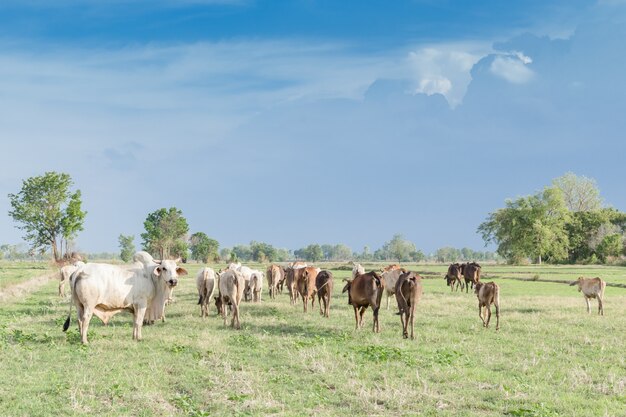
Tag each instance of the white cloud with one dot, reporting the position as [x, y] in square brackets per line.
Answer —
[445, 69]
[512, 67]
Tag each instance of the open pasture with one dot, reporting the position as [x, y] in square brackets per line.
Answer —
[550, 358]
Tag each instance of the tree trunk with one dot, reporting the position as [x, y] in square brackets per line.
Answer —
[539, 259]
[55, 250]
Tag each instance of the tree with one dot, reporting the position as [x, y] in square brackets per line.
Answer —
[532, 226]
[203, 248]
[165, 233]
[48, 211]
[611, 246]
[242, 253]
[311, 253]
[579, 193]
[127, 247]
[399, 248]
[227, 255]
[262, 252]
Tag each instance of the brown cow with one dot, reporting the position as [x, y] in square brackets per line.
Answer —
[488, 293]
[408, 294]
[471, 272]
[291, 280]
[363, 291]
[274, 276]
[306, 285]
[324, 285]
[592, 288]
[453, 277]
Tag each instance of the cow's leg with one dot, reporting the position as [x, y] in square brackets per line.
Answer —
[600, 306]
[488, 308]
[62, 287]
[80, 311]
[235, 322]
[403, 320]
[224, 310]
[319, 301]
[327, 304]
[361, 314]
[376, 322]
[87, 314]
[588, 305]
[497, 316]
[356, 317]
[480, 313]
[140, 312]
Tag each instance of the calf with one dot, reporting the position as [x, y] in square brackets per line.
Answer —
[291, 280]
[274, 277]
[408, 294]
[324, 286]
[391, 278]
[205, 283]
[471, 273]
[66, 271]
[231, 285]
[256, 285]
[453, 277]
[488, 293]
[363, 291]
[592, 288]
[306, 285]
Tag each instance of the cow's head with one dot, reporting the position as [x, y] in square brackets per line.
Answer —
[477, 286]
[169, 272]
[578, 282]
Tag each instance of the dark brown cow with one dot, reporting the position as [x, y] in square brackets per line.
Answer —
[471, 272]
[408, 294]
[324, 285]
[488, 293]
[454, 277]
[363, 291]
[306, 286]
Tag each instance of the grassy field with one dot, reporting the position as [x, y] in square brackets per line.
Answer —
[12, 273]
[549, 358]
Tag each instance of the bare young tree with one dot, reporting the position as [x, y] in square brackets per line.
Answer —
[580, 193]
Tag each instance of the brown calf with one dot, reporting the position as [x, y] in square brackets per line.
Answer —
[324, 285]
[453, 277]
[363, 291]
[592, 288]
[471, 272]
[306, 286]
[488, 293]
[408, 294]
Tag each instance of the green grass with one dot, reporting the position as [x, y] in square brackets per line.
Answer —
[12, 273]
[549, 358]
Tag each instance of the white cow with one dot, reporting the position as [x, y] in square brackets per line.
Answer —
[205, 283]
[66, 272]
[357, 269]
[256, 285]
[105, 290]
[231, 286]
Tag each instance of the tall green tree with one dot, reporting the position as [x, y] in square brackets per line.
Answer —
[48, 211]
[311, 253]
[165, 233]
[530, 227]
[203, 248]
[127, 247]
[399, 248]
[262, 252]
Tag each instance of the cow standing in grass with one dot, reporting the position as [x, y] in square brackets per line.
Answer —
[471, 271]
[205, 283]
[105, 290]
[592, 288]
[408, 293]
[231, 285]
[454, 277]
[488, 293]
[364, 291]
[324, 285]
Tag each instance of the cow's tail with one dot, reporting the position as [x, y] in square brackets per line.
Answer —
[496, 298]
[74, 277]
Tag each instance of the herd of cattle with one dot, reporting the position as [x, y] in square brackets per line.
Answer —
[145, 287]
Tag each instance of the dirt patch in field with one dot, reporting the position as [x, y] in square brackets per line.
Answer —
[25, 288]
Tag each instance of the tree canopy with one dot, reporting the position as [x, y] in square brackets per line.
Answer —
[165, 234]
[48, 211]
[203, 248]
[127, 247]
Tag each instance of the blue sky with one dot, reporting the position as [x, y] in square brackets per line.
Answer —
[294, 122]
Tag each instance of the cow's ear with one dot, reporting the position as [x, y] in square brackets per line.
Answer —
[157, 271]
[181, 271]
